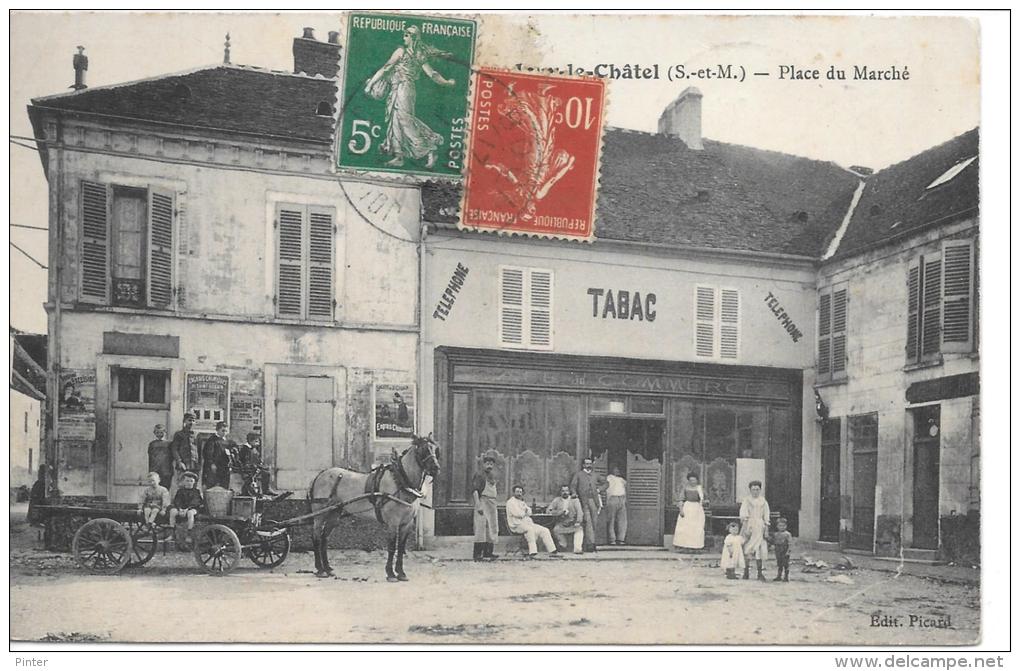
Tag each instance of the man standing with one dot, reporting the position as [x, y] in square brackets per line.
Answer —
[616, 507]
[571, 519]
[184, 447]
[586, 485]
[486, 524]
[216, 459]
[518, 519]
[161, 457]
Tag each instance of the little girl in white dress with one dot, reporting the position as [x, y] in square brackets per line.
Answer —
[732, 551]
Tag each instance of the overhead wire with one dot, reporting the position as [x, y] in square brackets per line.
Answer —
[30, 257]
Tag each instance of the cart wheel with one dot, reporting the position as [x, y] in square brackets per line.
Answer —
[143, 544]
[102, 546]
[217, 549]
[270, 548]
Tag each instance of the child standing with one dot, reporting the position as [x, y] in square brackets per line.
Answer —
[754, 515]
[732, 551]
[187, 502]
[780, 542]
[154, 499]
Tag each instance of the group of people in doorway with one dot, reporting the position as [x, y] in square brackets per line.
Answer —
[574, 512]
[178, 465]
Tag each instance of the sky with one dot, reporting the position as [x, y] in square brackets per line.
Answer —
[863, 122]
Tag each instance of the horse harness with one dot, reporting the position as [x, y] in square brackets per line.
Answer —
[379, 498]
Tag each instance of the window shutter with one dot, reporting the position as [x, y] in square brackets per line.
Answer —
[931, 306]
[824, 336]
[704, 328]
[913, 310]
[161, 244]
[289, 225]
[511, 306]
[320, 263]
[729, 323]
[95, 248]
[540, 309]
[957, 295]
[839, 332]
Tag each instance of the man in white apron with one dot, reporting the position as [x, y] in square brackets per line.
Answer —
[486, 523]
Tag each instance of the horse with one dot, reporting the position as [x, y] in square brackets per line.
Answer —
[390, 494]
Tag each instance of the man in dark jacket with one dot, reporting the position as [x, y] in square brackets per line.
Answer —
[216, 459]
[249, 458]
[586, 486]
[184, 447]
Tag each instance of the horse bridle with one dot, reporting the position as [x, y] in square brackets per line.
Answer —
[432, 458]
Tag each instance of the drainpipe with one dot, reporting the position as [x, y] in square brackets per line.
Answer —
[419, 356]
[56, 172]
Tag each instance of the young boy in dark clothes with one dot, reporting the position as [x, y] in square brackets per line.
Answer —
[780, 542]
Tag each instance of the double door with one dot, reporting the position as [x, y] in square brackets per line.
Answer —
[635, 447]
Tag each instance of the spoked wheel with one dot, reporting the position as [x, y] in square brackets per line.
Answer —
[270, 548]
[217, 549]
[143, 544]
[102, 546]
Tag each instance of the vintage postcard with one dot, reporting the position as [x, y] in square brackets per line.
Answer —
[483, 328]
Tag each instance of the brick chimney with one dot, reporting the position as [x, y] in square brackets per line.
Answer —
[81, 66]
[313, 57]
[682, 118]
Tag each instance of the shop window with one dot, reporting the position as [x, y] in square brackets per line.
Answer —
[832, 329]
[127, 246]
[305, 253]
[525, 308]
[717, 323]
[608, 404]
[940, 302]
[646, 406]
[148, 387]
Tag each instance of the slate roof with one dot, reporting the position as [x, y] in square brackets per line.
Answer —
[654, 189]
[896, 200]
[223, 97]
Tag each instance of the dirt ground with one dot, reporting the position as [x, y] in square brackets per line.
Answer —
[659, 599]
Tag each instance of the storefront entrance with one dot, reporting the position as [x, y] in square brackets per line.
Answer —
[926, 477]
[635, 447]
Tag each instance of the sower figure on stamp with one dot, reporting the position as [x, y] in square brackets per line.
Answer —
[586, 486]
[407, 136]
[486, 522]
[754, 518]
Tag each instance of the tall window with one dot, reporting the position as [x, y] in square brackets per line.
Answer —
[304, 261]
[127, 246]
[832, 327]
[525, 307]
[717, 323]
[940, 302]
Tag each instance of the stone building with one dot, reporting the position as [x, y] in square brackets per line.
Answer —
[203, 258]
[680, 341]
[899, 451]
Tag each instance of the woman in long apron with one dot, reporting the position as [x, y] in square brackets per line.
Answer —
[486, 521]
[689, 533]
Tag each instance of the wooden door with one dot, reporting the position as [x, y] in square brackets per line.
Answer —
[304, 429]
[830, 507]
[926, 478]
[132, 433]
[644, 482]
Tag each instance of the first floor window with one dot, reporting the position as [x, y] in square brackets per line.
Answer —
[525, 307]
[304, 261]
[940, 302]
[716, 323]
[127, 236]
[832, 328]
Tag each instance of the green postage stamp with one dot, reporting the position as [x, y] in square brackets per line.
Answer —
[404, 102]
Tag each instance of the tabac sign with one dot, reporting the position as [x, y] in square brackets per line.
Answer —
[403, 105]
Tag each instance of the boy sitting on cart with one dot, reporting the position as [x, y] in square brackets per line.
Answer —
[154, 500]
[187, 502]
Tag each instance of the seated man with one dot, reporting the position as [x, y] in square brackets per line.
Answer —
[518, 519]
[570, 521]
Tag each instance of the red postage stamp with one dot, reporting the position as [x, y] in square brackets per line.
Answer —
[533, 162]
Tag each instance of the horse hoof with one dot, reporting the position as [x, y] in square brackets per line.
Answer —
[402, 578]
[392, 578]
